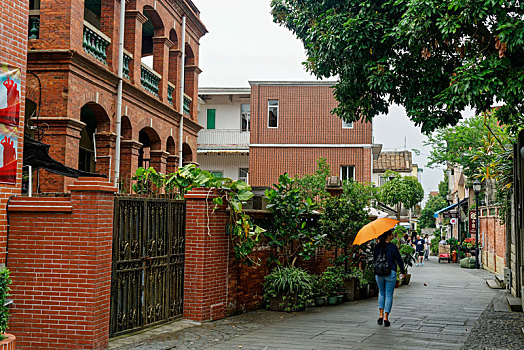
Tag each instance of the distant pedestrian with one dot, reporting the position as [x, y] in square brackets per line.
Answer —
[428, 246]
[419, 248]
[386, 259]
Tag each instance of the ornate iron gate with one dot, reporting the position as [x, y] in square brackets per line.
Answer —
[147, 282]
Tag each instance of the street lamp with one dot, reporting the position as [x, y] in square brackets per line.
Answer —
[476, 188]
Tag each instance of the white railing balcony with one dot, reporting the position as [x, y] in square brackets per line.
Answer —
[223, 139]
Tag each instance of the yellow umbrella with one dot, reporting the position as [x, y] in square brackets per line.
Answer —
[374, 229]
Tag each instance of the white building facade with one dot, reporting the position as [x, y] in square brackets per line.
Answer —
[223, 144]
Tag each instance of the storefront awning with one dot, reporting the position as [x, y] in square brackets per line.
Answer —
[436, 214]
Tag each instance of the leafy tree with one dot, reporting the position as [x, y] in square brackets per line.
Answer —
[401, 190]
[343, 216]
[434, 57]
[443, 187]
[314, 185]
[427, 219]
[294, 235]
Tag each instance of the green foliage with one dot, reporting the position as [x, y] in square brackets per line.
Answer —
[333, 280]
[5, 281]
[406, 253]
[399, 231]
[342, 217]
[400, 190]
[244, 234]
[288, 282]
[294, 234]
[355, 272]
[314, 186]
[484, 149]
[443, 187]
[427, 218]
[369, 275]
[435, 242]
[434, 57]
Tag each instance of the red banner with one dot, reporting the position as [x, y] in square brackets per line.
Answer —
[9, 122]
[472, 223]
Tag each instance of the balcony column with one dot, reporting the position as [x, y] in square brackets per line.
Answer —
[161, 47]
[105, 148]
[133, 42]
[172, 164]
[158, 160]
[191, 87]
[64, 138]
[129, 150]
[174, 74]
[109, 25]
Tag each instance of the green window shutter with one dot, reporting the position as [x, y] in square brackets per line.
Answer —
[211, 115]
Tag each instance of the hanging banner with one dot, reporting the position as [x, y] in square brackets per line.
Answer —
[472, 222]
[9, 122]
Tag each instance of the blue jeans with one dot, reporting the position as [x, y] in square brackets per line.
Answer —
[386, 286]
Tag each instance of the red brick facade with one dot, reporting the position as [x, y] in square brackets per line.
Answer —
[306, 131]
[13, 52]
[60, 263]
[492, 237]
[72, 80]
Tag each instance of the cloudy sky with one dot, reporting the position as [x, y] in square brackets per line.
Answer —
[244, 44]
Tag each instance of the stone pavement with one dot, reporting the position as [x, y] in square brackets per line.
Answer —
[436, 311]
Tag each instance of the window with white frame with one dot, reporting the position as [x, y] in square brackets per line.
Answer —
[243, 174]
[245, 115]
[272, 114]
[346, 125]
[347, 172]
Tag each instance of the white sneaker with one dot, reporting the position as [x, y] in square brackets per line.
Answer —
[422, 264]
[416, 264]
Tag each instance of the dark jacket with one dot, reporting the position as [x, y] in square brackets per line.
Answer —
[392, 254]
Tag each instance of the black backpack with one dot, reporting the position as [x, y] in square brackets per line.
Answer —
[381, 264]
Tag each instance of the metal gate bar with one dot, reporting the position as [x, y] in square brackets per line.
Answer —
[147, 285]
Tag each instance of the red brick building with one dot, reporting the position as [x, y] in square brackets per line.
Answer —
[13, 53]
[292, 126]
[73, 60]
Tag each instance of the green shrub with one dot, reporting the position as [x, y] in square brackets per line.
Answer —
[358, 274]
[287, 282]
[5, 281]
[333, 280]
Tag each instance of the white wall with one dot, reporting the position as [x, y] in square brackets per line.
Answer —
[227, 112]
[228, 163]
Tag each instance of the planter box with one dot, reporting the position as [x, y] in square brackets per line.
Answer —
[407, 278]
[351, 289]
[8, 343]
[332, 300]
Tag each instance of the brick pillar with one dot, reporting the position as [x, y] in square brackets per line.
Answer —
[191, 88]
[172, 164]
[161, 47]
[129, 150]
[205, 280]
[174, 74]
[60, 263]
[64, 137]
[158, 160]
[133, 42]
[105, 153]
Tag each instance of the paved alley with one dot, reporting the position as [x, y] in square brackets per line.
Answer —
[436, 311]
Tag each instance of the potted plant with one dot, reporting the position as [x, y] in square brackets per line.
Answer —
[369, 275]
[287, 289]
[356, 285]
[406, 253]
[333, 280]
[319, 291]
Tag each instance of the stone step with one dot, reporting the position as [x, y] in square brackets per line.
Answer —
[499, 278]
[499, 306]
[515, 303]
[493, 284]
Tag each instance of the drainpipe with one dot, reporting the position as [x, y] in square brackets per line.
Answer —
[182, 83]
[119, 91]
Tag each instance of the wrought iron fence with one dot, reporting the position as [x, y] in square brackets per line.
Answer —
[147, 283]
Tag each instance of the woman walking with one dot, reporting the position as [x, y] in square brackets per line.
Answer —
[386, 258]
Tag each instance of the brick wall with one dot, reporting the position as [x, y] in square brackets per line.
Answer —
[13, 51]
[60, 262]
[305, 118]
[266, 164]
[492, 236]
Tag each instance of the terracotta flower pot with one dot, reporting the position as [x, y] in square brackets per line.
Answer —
[8, 343]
